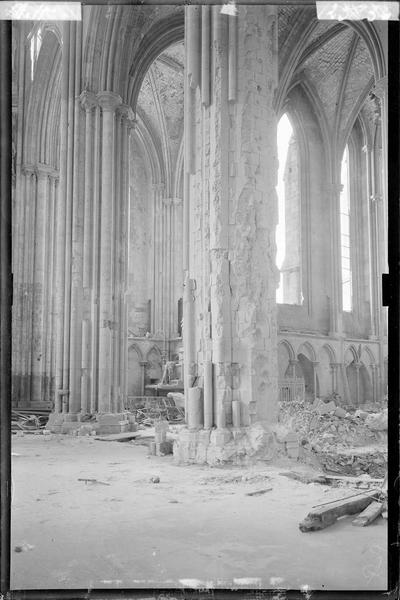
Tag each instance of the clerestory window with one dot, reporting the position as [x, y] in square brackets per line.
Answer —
[288, 231]
[345, 241]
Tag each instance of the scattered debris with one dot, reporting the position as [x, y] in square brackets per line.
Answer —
[369, 514]
[259, 492]
[325, 515]
[23, 547]
[21, 421]
[92, 481]
[118, 437]
[338, 439]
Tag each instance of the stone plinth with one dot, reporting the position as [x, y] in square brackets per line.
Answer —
[104, 423]
[235, 446]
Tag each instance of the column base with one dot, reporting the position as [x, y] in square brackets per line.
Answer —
[231, 446]
[104, 423]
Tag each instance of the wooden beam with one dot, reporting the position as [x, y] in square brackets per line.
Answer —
[322, 517]
[369, 514]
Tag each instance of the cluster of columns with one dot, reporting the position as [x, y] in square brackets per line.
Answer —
[230, 214]
[71, 262]
[91, 372]
[33, 322]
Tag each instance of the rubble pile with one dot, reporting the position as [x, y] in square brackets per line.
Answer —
[344, 442]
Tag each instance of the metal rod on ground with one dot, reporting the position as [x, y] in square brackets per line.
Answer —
[346, 498]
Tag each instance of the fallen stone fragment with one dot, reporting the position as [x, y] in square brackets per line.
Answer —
[92, 481]
[259, 492]
[155, 480]
[118, 437]
[369, 514]
[377, 421]
[323, 516]
[23, 547]
[339, 412]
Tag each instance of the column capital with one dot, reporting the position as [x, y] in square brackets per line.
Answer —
[167, 201]
[109, 101]
[88, 100]
[177, 201]
[143, 363]
[293, 361]
[28, 170]
[380, 88]
[126, 112]
[334, 365]
[158, 186]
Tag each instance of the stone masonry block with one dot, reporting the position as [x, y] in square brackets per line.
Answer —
[220, 437]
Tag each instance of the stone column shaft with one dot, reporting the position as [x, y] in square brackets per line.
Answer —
[335, 308]
[96, 241]
[108, 102]
[88, 102]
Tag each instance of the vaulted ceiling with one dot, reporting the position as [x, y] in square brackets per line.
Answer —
[332, 61]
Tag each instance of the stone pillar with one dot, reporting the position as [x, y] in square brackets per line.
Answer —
[143, 364]
[380, 90]
[293, 362]
[27, 287]
[374, 373]
[88, 103]
[315, 366]
[377, 265]
[230, 214]
[335, 305]
[127, 126]
[41, 312]
[69, 176]
[108, 102]
[50, 356]
[334, 373]
[357, 367]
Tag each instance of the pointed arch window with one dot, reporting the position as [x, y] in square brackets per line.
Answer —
[288, 231]
[345, 238]
[35, 45]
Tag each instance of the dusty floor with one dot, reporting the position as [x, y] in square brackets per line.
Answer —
[197, 527]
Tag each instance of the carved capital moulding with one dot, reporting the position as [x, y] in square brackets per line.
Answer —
[380, 88]
[109, 101]
[126, 112]
[88, 100]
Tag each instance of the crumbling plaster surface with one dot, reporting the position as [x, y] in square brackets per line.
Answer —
[235, 171]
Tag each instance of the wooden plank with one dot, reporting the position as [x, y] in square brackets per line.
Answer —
[322, 517]
[369, 514]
